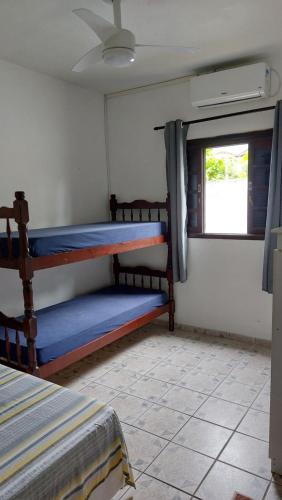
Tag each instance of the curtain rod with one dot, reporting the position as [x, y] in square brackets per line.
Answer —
[211, 118]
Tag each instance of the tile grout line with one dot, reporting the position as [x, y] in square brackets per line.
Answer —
[167, 444]
[141, 375]
[244, 470]
[266, 491]
[215, 459]
[224, 447]
[119, 364]
[189, 416]
[182, 387]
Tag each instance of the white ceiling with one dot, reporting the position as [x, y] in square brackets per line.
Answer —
[44, 35]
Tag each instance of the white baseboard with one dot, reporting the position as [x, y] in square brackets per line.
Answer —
[216, 333]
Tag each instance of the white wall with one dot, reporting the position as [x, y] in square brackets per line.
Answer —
[52, 146]
[223, 291]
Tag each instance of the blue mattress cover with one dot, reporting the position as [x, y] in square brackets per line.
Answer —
[65, 239]
[68, 325]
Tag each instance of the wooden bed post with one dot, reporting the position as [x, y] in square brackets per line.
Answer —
[116, 264]
[26, 275]
[113, 207]
[169, 269]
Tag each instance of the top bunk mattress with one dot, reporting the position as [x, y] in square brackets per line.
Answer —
[49, 241]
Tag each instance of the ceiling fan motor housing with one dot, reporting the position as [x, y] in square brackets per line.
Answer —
[119, 49]
[124, 38]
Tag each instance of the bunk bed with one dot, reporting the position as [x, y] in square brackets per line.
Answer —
[53, 338]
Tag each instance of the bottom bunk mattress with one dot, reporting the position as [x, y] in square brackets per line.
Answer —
[63, 327]
[56, 443]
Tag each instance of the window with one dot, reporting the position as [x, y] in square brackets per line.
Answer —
[226, 189]
[228, 185]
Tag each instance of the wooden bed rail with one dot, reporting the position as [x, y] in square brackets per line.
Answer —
[142, 272]
[12, 323]
[15, 356]
[20, 215]
[7, 213]
[145, 209]
[137, 204]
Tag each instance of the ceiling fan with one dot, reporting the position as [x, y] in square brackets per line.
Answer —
[118, 44]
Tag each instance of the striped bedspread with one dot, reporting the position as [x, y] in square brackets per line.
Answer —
[55, 443]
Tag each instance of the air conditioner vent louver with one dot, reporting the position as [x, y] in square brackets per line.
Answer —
[229, 86]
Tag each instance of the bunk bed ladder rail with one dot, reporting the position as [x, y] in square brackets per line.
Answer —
[20, 215]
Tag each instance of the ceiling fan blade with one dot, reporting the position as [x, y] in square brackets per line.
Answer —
[176, 48]
[103, 28]
[92, 57]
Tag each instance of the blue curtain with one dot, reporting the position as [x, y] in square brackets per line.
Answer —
[274, 207]
[176, 171]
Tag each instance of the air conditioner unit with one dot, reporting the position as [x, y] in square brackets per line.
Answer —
[244, 83]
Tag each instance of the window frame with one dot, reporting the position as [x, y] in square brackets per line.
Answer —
[198, 146]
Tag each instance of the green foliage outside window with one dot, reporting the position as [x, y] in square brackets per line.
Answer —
[227, 167]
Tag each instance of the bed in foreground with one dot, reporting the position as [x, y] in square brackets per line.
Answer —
[57, 444]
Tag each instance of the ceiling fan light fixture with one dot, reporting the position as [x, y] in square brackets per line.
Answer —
[118, 44]
[119, 57]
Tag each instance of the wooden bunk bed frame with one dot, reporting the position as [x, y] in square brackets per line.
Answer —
[27, 265]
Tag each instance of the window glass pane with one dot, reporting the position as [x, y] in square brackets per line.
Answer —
[226, 189]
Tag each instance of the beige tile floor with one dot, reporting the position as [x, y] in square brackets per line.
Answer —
[194, 410]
